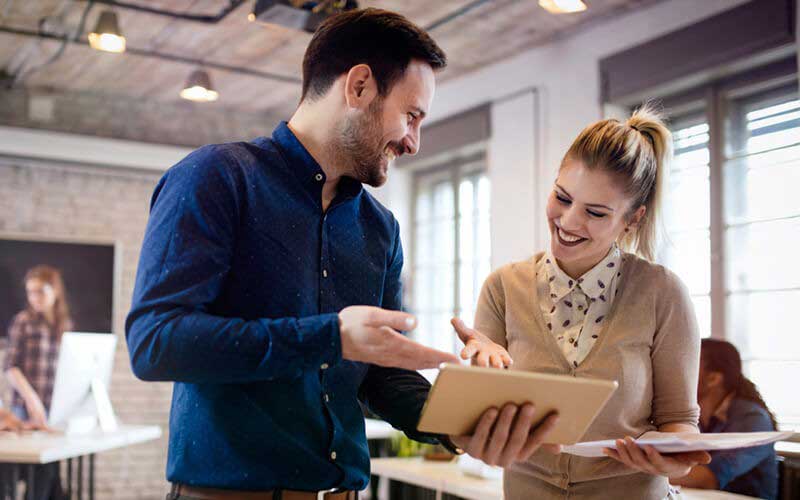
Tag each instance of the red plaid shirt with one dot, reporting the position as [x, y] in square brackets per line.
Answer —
[33, 348]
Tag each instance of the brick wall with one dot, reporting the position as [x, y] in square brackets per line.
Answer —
[65, 202]
[89, 203]
[180, 123]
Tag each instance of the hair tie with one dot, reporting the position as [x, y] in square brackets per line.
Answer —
[634, 128]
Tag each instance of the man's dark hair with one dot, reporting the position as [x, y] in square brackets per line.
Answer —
[385, 41]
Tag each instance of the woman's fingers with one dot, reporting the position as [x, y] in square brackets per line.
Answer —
[482, 359]
[640, 458]
[622, 451]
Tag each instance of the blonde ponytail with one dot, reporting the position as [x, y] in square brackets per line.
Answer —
[638, 153]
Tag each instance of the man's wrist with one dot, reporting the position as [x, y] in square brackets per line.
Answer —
[449, 445]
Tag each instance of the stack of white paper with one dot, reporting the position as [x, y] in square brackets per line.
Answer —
[677, 442]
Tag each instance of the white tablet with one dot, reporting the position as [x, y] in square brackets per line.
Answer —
[461, 394]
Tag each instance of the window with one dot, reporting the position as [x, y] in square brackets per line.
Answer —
[451, 249]
[733, 224]
[687, 249]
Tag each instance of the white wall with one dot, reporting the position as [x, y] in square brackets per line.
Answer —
[560, 83]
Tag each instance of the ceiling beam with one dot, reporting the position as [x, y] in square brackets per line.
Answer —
[163, 56]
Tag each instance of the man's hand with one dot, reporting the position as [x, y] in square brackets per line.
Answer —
[478, 347]
[370, 335]
[508, 436]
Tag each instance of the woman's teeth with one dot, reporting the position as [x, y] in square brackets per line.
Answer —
[568, 238]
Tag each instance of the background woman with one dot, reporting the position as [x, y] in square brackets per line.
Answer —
[33, 341]
[730, 402]
[589, 308]
[34, 338]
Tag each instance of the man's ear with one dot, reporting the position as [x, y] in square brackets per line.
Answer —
[360, 87]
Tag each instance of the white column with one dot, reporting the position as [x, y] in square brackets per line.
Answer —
[513, 158]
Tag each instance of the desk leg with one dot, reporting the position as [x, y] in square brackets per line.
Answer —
[30, 486]
[80, 478]
[15, 481]
[69, 479]
[91, 476]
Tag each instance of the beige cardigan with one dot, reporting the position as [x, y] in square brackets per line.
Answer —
[650, 345]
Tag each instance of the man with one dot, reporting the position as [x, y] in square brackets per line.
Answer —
[269, 287]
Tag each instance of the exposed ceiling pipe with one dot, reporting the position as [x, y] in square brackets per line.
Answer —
[455, 14]
[200, 18]
[162, 55]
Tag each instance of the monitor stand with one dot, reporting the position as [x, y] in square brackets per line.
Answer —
[103, 412]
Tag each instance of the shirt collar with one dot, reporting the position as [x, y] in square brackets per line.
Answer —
[593, 283]
[305, 167]
[721, 413]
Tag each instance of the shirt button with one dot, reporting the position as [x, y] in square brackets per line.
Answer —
[324, 273]
[323, 366]
[333, 455]
[318, 177]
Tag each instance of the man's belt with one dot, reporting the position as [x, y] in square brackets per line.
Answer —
[217, 494]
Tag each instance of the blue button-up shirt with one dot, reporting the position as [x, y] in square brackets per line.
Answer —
[747, 471]
[240, 280]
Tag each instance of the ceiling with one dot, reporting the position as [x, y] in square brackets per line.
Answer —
[494, 30]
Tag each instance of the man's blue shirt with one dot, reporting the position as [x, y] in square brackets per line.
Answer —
[747, 471]
[240, 279]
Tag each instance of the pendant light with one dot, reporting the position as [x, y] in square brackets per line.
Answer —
[198, 87]
[107, 35]
[562, 6]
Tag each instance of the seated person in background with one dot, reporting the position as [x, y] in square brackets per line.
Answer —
[730, 402]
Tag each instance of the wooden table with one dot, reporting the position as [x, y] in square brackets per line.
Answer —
[26, 450]
[446, 477]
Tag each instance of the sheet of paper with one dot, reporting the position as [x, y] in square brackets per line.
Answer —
[676, 442]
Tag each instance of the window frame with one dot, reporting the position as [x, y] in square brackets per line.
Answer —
[711, 99]
[469, 163]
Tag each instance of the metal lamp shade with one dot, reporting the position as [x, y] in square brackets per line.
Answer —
[106, 35]
[198, 87]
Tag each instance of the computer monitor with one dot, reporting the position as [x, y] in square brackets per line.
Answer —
[83, 373]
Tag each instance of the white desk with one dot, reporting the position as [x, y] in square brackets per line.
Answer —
[27, 449]
[378, 429]
[446, 477]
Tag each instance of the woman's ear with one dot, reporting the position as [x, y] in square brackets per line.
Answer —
[714, 379]
[360, 87]
[636, 218]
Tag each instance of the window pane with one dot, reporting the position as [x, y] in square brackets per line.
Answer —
[777, 382]
[763, 256]
[688, 255]
[702, 309]
[762, 216]
[761, 192]
[686, 248]
[689, 206]
[437, 292]
[763, 325]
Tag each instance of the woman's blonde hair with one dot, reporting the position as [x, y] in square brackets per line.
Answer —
[637, 153]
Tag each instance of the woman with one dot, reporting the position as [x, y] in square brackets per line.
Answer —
[33, 341]
[589, 308]
[730, 402]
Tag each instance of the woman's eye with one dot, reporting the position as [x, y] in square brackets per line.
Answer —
[563, 200]
[596, 214]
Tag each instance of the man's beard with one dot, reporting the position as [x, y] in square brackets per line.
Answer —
[359, 150]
